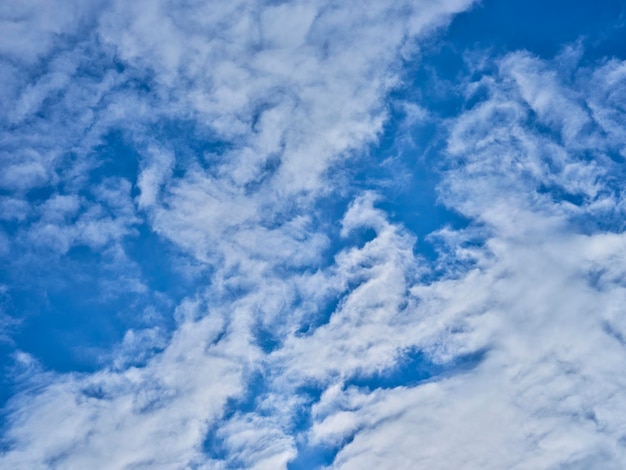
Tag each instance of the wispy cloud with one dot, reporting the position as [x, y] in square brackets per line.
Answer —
[217, 127]
[535, 166]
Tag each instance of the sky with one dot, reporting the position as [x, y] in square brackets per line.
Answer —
[312, 234]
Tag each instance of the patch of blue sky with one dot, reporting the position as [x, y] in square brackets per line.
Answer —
[161, 264]
[192, 144]
[541, 27]
[74, 307]
[316, 456]
[413, 368]
[115, 157]
[301, 422]
[411, 158]
[71, 313]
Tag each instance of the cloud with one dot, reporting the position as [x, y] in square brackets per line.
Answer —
[297, 319]
[211, 127]
[535, 168]
[33, 27]
[293, 322]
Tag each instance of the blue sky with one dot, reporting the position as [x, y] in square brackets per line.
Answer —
[312, 234]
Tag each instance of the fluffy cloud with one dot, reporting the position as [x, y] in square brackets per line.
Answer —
[233, 118]
[218, 130]
[534, 166]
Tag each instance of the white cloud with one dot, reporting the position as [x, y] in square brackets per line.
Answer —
[151, 178]
[533, 166]
[288, 103]
[544, 296]
[121, 419]
[32, 27]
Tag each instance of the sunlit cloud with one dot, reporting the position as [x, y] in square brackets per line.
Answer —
[203, 268]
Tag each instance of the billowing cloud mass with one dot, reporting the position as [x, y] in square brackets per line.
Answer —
[196, 240]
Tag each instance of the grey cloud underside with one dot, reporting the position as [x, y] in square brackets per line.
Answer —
[535, 166]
